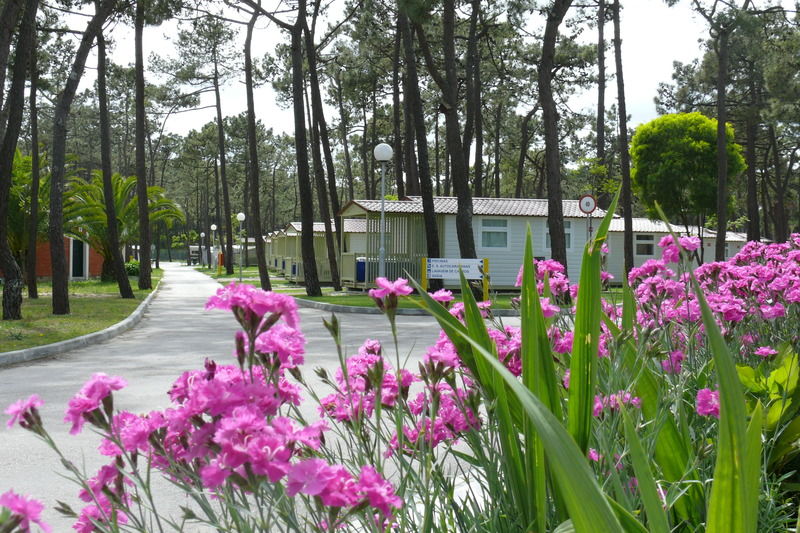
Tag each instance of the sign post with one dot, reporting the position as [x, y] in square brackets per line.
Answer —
[450, 269]
[587, 204]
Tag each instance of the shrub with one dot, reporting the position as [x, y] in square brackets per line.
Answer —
[132, 268]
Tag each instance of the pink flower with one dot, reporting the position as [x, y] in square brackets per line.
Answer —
[285, 342]
[90, 397]
[597, 410]
[19, 409]
[443, 296]
[549, 309]
[772, 311]
[565, 379]
[673, 364]
[378, 491]
[593, 455]
[398, 287]
[24, 509]
[766, 351]
[251, 299]
[689, 244]
[309, 477]
[708, 402]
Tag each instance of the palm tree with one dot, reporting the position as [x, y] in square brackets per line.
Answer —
[85, 212]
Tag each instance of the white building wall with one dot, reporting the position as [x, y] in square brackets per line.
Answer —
[504, 263]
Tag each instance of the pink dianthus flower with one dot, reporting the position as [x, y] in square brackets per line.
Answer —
[20, 408]
[398, 287]
[26, 510]
[766, 351]
[90, 397]
[707, 402]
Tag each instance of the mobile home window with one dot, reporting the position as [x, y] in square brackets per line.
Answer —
[645, 244]
[494, 233]
[567, 234]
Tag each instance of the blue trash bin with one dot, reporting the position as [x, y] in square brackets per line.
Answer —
[361, 269]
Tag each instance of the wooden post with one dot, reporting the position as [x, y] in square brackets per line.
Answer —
[424, 274]
[485, 278]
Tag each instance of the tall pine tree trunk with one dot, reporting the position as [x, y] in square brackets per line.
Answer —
[603, 198]
[396, 120]
[498, 115]
[117, 263]
[448, 84]
[722, 141]
[252, 146]
[33, 220]
[624, 157]
[301, 150]
[320, 138]
[13, 283]
[523, 152]
[223, 174]
[413, 100]
[343, 130]
[555, 214]
[145, 281]
[55, 228]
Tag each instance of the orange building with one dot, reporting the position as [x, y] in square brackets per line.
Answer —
[84, 261]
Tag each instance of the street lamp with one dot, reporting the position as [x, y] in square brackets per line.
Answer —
[213, 230]
[383, 153]
[202, 236]
[240, 217]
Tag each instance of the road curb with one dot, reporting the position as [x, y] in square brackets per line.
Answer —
[336, 308]
[48, 350]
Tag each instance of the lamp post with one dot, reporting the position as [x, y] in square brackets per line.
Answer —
[383, 153]
[202, 236]
[213, 230]
[240, 217]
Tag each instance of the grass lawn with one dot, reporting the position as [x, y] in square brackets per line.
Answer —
[94, 306]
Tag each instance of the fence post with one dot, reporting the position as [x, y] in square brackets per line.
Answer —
[485, 278]
[424, 274]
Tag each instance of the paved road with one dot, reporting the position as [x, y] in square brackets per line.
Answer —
[175, 335]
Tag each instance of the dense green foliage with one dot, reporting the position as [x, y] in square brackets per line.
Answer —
[674, 164]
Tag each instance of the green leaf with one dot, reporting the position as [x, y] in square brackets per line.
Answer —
[728, 508]
[587, 506]
[752, 480]
[751, 378]
[586, 337]
[656, 516]
[539, 376]
[626, 519]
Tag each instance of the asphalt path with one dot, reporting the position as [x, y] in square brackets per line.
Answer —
[175, 335]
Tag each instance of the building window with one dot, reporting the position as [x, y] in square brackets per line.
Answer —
[494, 233]
[645, 244]
[567, 234]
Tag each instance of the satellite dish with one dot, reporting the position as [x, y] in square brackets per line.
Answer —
[587, 204]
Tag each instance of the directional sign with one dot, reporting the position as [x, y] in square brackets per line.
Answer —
[443, 268]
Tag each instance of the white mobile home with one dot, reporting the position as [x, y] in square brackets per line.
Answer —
[499, 227]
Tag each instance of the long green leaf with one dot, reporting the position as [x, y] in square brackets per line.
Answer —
[587, 506]
[586, 338]
[728, 506]
[539, 376]
[753, 469]
[656, 517]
